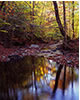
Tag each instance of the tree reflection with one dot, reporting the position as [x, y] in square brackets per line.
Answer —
[64, 79]
[57, 78]
[17, 76]
[34, 81]
[72, 76]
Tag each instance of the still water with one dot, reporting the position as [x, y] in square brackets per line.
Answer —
[37, 78]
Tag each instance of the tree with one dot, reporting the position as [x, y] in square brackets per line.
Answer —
[58, 19]
[40, 18]
[73, 19]
[62, 29]
[64, 17]
[69, 20]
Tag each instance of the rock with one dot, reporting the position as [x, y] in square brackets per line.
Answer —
[46, 54]
[45, 51]
[26, 50]
[22, 49]
[54, 50]
[3, 57]
[69, 61]
[58, 52]
[53, 46]
[14, 57]
[23, 54]
[34, 46]
[8, 59]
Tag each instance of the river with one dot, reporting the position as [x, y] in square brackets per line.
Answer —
[37, 78]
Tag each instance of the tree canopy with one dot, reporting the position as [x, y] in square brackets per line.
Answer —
[28, 19]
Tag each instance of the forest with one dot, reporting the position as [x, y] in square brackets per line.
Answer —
[38, 38]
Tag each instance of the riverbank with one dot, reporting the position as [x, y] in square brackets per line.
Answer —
[51, 51]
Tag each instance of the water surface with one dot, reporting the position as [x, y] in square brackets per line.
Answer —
[37, 78]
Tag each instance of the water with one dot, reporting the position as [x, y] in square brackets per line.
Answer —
[37, 78]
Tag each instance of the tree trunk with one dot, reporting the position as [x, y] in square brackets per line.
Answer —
[73, 19]
[33, 9]
[31, 18]
[64, 18]
[69, 20]
[58, 19]
[64, 13]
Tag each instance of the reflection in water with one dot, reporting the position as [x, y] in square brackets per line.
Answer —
[72, 77]
[64, 79]
[37, 78]
[57, 77]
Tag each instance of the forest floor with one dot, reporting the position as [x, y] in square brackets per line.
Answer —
[51, 51]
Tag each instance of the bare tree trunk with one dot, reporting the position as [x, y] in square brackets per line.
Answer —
[58, 19]
[64, 18]
[69, 19]
[33, 9]
[73, 19]
[31, 18]
[64, 13]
